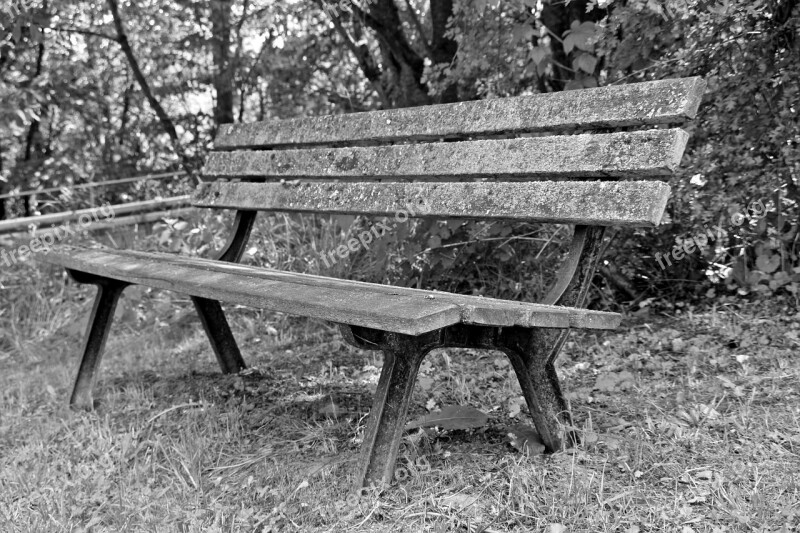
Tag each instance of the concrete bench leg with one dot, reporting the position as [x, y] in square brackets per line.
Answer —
[532, 354]
[219, 334]
[105, 303]
[403, 355]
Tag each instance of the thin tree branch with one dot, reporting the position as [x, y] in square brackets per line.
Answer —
[166, 121]
[83, 31]
[365, 60]
[239, 37]
[420, 30]
[246, 83]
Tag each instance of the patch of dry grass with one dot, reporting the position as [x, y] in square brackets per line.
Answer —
[688, 424]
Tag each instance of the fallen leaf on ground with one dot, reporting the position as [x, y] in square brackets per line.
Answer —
[332, 410]
[526, 439]
[458, 501]
[451, 417]
[704, 475]
[515, 406]
[614, 381]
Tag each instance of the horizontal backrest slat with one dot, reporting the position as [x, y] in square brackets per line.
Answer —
[622, 154]
[627, 203]
[658, 102]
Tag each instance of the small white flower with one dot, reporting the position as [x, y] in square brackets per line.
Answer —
[698, 180]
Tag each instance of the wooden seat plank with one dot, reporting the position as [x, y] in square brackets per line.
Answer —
[475, 309]
[384, 307]
[628, 203]
[670, 101]
[622, 155]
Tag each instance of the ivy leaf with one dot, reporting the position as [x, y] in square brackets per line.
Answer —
[768, 264]
[579, 36]
[522, 33]
[586, 63]
[481, 5]
[721, 8]
[538, 54]
[581, 83]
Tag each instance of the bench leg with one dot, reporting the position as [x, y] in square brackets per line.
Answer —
[105, 303]
[403, 355]
[219, 334]
[532, 354]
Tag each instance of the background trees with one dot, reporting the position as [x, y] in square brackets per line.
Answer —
[101, 89]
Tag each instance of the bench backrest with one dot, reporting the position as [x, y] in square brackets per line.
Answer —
[544, 158]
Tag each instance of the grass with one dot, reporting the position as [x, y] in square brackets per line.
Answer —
[690, 423]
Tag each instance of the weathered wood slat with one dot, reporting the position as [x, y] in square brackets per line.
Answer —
[658, 102]
[603, 203]
[623, 154]
[383, 307]
[474, 310]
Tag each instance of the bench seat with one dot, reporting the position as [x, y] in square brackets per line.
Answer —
[370, 305]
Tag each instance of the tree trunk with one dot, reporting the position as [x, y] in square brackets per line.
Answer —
[443, 49]
[403, 66]
[223, 66]
[33, 145]
[398, 80]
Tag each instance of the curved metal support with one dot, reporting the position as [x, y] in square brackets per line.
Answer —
[575, 276]
[211, 314]
[363, 338]
[242, 227]
[566, 273]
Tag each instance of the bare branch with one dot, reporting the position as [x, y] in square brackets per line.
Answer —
[84, 31]
[361, 53]
[166, 121]
[418, 26]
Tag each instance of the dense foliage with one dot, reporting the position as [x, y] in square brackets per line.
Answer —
[93, 90]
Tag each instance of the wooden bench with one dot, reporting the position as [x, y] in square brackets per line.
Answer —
[516, 159]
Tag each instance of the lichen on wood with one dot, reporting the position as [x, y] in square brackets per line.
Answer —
[671, 101]
[622, 154]
[627, 203]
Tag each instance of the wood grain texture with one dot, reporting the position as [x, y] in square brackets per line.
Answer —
[658, 102]
[623, 154]
[382, 307]
[627, 203]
